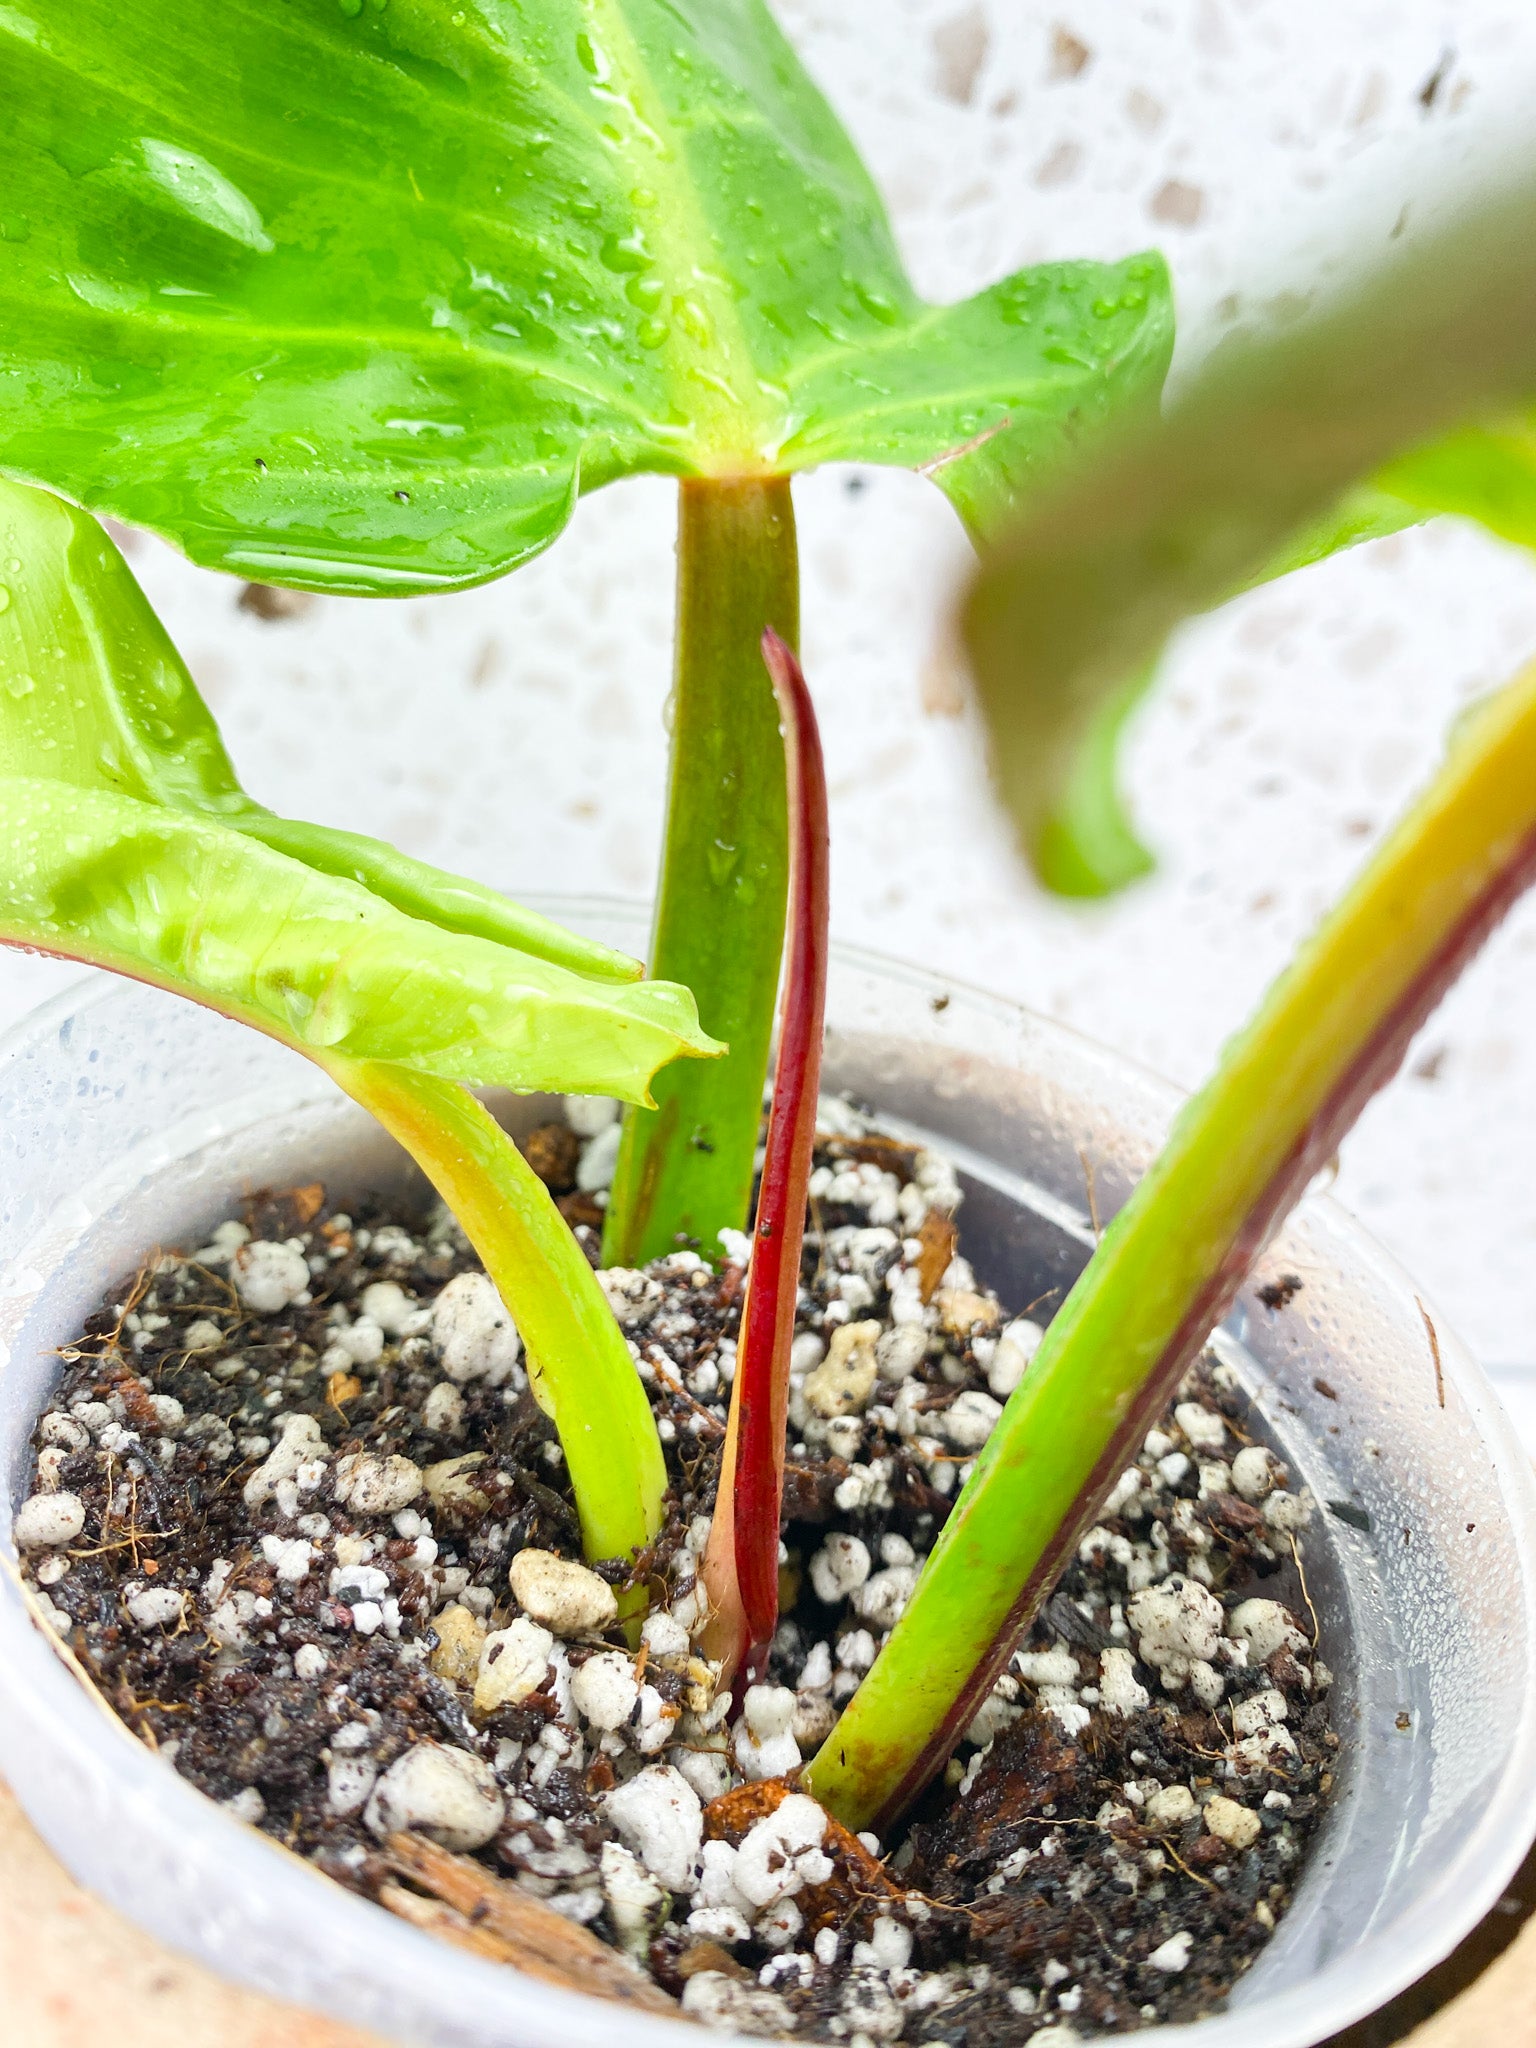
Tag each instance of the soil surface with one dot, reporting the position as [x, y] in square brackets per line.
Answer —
[296, 1509]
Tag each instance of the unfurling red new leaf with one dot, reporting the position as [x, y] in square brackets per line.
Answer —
[741, 1563]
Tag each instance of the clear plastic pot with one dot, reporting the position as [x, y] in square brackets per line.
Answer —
[128, 1119]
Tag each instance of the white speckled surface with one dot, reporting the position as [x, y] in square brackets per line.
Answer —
[516, 732]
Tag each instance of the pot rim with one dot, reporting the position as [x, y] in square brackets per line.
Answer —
[538, 2013]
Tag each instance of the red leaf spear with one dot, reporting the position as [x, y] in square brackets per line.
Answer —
[741, 1561]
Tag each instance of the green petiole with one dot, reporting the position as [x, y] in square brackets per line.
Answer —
[582, 1373]
[685, 1167]
[1330, 1032]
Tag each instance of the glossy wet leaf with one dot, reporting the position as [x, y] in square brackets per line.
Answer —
[364, 297]
[125, 839]
[1408, 397]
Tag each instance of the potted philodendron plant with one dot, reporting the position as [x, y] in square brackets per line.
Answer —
[607, 1585]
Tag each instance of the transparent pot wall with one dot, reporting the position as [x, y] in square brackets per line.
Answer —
[129, 1119]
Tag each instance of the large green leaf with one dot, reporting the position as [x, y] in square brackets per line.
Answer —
[363, 296]
[1408, 396]
[125, 839]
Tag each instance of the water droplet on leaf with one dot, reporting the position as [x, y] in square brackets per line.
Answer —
[884, 310]
[695, 321]
[626, 252]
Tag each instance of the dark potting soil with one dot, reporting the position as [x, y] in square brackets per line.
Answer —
[300, 1516]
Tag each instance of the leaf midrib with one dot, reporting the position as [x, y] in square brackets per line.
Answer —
[676, 252]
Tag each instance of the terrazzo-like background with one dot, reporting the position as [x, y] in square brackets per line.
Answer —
[516, 733]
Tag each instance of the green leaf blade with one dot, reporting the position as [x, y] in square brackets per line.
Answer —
[126, 839]
[97, 696]
[414, 268]
[365, 302]
[454, 903]
[194, 905]
[992, 394]
[1486, 473]
[92, 692]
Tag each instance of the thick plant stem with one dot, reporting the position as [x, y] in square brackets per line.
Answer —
[1330, 1032]
[582, 1373]
[685, 1167]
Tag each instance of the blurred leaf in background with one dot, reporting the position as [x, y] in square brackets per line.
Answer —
[1412, 394]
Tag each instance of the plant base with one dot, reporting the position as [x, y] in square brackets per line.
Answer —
[306, 1459]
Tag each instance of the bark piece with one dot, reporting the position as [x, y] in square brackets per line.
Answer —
[553, 1151]
[859, 1889]
[485, 1913]
[938, 1238]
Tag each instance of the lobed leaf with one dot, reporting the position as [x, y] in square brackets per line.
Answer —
[179, 899]
[365, 297]
[97, 697]
[1389, 405]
